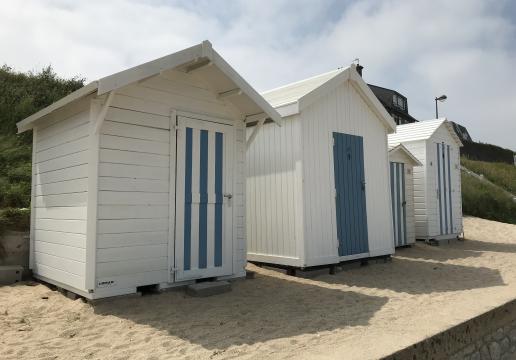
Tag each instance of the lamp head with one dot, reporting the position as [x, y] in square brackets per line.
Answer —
[441, 98]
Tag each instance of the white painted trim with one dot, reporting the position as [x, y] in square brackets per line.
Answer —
[172, 196]
[103, 112]
[91, 227]
[229, 93]
[246, 88]
[274, 259]
[147, 70]
[134, 74]
[210, 118]
[27, 123]
[288, 109]
[32, 200]
[254, 133]
[371, 100]
[401, 147]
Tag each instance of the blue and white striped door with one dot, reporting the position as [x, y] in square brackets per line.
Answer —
[444, 189]
[398, 204]
[203, 200]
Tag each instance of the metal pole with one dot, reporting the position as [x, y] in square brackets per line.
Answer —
[436, 111]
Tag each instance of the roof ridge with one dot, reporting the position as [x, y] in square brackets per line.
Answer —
[336, 71]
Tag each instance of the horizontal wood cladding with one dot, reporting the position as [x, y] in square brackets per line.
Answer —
[133, 194]
[60, 195]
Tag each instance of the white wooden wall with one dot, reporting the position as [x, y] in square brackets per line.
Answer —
[134, 174]
[397, 156]
[343, 110]
[274, 194]
[418, 149]
[60, 188]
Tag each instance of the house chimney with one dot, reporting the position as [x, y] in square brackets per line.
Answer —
[359, 69]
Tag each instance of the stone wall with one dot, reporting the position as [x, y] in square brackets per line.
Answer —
[15, 249]
[490, 336]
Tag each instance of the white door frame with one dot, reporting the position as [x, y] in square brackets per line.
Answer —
[228, 208]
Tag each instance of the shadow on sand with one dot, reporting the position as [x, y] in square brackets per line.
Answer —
[454, 250]
[411, 276]
[255, 311]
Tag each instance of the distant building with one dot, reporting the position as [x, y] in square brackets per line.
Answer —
[395, 104]
[461, 132]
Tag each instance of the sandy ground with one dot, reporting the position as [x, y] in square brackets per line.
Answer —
[360, 313]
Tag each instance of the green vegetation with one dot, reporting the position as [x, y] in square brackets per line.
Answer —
[22, 94]
[501, 174]
[486, 152]
[486, 201]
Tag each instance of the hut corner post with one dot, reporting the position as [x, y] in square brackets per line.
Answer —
[96, 109]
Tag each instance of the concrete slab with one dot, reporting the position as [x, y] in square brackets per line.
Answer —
[10, 274]
[208, 288]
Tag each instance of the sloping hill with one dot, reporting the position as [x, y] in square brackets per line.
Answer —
[489, 201]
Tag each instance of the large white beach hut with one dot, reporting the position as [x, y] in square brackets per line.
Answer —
[437, 183]
[138, 178]
[401, 166]
[318, 186]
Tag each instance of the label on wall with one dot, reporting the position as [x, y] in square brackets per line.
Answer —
[106, 283]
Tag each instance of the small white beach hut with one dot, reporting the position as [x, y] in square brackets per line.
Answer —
[401, 165]
[138, 178]
[318, 186]
[437, 183]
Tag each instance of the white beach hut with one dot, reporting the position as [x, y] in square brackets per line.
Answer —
[138, 178]
[401, 167]
[318, 186]
[437, 183]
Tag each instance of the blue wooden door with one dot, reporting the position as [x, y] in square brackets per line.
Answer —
[350, 197]
[444, 189]
[399, 213]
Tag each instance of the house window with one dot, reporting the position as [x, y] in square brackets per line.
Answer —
[399, 101]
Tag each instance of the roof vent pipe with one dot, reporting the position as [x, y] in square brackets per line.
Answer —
[359, 69]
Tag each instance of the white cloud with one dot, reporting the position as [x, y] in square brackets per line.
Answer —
[463, 48]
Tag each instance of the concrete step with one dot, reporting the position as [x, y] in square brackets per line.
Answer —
[208, 288]
[10, 274]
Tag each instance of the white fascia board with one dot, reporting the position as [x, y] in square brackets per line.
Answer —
[245, 87]
[134, 74]
[27, 123]
[402, 148]
[331, 84]
[371, 99]
[288, 109]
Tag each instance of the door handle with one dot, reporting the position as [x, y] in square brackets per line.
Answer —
[229, 196]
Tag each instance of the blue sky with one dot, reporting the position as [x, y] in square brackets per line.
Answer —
[465, 49]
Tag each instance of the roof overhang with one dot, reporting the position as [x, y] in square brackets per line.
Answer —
[187, 60]
[404, 150]
[350, 74]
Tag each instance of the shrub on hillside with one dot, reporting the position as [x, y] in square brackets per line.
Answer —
[501, 174]
[486, 201]
[22, 94]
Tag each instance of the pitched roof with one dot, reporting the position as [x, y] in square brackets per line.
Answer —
[223, 77]
[422, 130]
[287, 94]
[292, 98]
[402, 148]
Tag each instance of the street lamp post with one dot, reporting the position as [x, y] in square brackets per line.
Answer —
[441, 99]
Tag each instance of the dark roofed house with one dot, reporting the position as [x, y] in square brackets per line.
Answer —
[395, 104]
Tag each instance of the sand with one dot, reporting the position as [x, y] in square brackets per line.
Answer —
[359, 313]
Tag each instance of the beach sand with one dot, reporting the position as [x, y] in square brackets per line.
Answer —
[359, 313]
